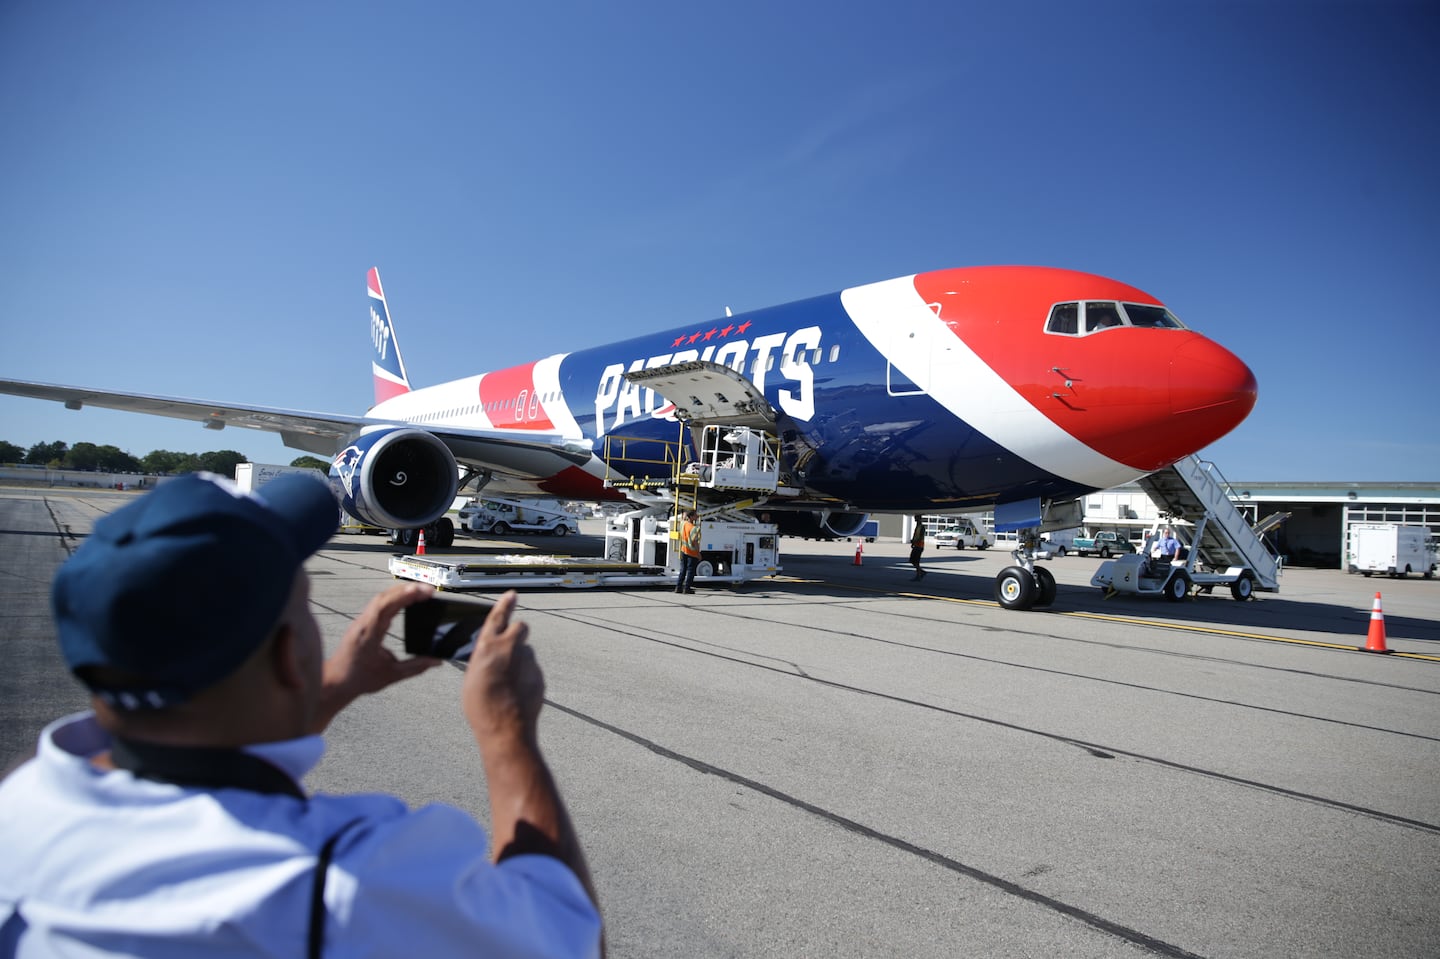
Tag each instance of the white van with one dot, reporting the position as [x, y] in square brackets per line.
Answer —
[1058, 542]
[1390, 549]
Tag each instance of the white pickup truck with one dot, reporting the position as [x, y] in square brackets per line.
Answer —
[961, 534]
[502, 516]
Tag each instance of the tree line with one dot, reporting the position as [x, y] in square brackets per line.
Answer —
[111, 459]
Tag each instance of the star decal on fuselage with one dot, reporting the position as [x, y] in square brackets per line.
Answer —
[722, 332]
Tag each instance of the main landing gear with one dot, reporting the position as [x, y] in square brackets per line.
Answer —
[1025, 585]
[438, 535]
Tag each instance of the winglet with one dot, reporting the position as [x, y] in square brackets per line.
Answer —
[385, 361]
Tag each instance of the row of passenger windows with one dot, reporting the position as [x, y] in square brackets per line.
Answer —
[816, 357]
[1082, 319]
[498, 406]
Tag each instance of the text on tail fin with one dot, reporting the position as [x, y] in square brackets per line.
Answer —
[385, 362]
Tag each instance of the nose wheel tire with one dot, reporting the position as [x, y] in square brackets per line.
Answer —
[1044, 587]
[1015, 588]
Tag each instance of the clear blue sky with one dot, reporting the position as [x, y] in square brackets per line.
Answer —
[192, 192]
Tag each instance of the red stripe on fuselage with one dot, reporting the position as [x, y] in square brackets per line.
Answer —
[386, 389]
[574, 483]
[1135, 395]
[510, 399]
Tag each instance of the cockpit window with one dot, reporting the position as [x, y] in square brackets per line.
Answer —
[1143, 314]
[1082, 319]
[1099, 316]
[1064, 318]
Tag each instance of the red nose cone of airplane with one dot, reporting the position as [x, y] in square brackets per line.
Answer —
[1211, 393]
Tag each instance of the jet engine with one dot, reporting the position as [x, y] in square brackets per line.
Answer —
[821, 524]
[396, 478]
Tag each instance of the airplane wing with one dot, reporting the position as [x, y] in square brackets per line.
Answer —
[318, 433]
[534, 455]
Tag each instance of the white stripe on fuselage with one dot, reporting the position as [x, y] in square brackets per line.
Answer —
[907, 332]
[547, 384]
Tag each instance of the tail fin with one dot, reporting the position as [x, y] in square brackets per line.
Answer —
[385, 361]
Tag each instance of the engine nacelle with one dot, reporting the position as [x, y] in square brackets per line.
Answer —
[823, 524]
[395, 477]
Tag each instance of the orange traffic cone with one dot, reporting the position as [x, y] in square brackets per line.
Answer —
[1375, 642]
[420, 546]
[859, 551]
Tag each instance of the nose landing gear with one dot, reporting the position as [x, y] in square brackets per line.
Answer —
[1025, 585]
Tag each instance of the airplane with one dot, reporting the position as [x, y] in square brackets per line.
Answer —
[1013, 388]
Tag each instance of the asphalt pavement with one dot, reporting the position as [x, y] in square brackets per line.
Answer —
[842, 761]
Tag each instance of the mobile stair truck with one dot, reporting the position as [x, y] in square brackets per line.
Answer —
[1219, 547]
[1389, 549]
[723, 463]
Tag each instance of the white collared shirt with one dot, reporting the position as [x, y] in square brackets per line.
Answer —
[100, 862]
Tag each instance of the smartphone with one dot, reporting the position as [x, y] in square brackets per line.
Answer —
[444, 628]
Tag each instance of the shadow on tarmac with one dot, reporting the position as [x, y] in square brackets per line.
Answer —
[1267, 612]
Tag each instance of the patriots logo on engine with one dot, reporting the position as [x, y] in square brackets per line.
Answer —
[345, 465]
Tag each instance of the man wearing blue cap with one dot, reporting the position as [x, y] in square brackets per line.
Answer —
[169, 821]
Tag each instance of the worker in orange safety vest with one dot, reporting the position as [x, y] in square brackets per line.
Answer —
[689, 551]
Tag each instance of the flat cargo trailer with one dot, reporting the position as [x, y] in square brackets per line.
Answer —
[640, 550]
[529, 569]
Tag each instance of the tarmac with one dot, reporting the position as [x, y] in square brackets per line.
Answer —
[842, 761]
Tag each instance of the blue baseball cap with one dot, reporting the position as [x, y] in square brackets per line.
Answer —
[180, 587]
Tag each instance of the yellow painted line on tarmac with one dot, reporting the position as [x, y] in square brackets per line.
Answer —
[1216, 631]
[1129, 621]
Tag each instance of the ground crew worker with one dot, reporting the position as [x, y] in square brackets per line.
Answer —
[689, 551]
[1169, 547]
[917, 545]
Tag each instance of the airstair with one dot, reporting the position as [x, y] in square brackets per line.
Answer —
[1193, 490]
